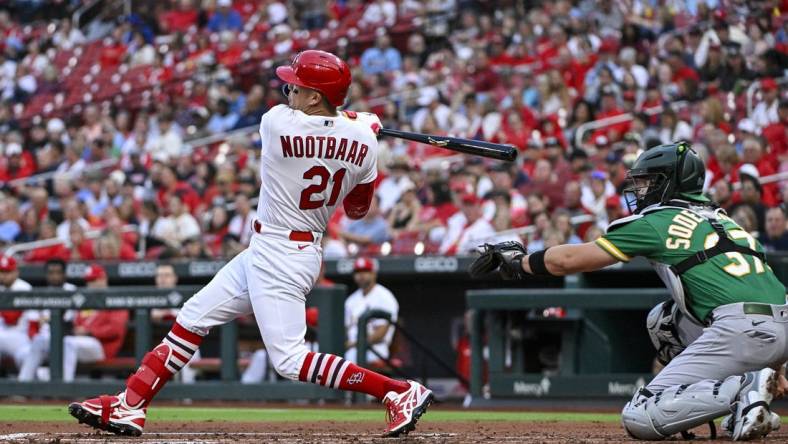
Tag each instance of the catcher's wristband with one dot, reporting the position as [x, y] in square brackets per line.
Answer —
[536, 262]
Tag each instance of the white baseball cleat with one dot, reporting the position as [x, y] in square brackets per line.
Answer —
[753, 419]
[404, 409]
[109, 413]
[726, 425]
[766, 381]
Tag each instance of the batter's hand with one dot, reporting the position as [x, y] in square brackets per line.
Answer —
[374, 121]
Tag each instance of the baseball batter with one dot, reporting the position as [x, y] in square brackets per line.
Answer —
[313, 159]
[719, 279]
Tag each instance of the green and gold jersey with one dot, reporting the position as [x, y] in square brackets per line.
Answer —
[670, 235]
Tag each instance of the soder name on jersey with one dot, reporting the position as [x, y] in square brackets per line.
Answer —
[684, 224]
[326, 147]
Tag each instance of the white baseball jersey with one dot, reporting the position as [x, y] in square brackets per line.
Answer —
[379, 298]
[27, 315]
[310, 163]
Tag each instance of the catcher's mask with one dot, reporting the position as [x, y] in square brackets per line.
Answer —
[663, 173]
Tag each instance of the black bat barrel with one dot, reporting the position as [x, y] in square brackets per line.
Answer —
[468, 146]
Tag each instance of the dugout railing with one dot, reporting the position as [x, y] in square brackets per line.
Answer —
[426, 353]
[141, 300]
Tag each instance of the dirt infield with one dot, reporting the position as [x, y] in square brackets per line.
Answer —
[338, 432]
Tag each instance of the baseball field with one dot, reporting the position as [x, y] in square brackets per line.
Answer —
[176, 424]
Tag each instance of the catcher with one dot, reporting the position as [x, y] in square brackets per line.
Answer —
[719, 279]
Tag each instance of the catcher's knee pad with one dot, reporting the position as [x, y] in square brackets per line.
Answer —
[661, 325]
[678, 409]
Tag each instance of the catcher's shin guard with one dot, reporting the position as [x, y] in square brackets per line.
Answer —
[678, 409]
[160, 364]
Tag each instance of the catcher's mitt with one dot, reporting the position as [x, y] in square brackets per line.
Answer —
[503, 257]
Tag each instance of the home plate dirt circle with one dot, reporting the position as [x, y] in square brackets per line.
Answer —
[338, 432]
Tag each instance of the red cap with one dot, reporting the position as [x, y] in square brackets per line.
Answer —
[7, 263]
[321, 71]
[768, 84]
[365, 264]
[95, 271]
[470, 198]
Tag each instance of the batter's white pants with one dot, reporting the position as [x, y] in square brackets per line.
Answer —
[271, 279]
[14, 343]
[75, 349]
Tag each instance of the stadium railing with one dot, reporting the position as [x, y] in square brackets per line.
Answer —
[363, 346]
[621, 118]
[89, 234]
[36, 178]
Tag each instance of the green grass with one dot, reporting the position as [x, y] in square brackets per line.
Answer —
[50, 413]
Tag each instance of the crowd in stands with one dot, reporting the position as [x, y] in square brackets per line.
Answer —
[106, 130]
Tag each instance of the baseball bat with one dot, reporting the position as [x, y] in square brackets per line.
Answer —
[498, 151]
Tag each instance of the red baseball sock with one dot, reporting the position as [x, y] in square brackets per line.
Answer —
[335, 372]
[158, 365]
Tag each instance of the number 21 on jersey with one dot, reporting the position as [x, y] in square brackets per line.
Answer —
[323, 175]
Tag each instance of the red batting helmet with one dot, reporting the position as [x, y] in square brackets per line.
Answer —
[321, 71]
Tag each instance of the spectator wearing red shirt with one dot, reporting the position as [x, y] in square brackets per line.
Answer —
[545, 182]
[483, 77]
[110, 247]
[82, 248]
[609, 108]
[526, 114]
[43, 254]
[112, 53]
[684, 76]
[550, 48]
[16, 163]
[753, 153]
[724, 164]
[514, 132]
[180, 19]
[776, 134]
[171, 186]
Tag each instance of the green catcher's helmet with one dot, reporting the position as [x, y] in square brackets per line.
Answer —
[663, 173]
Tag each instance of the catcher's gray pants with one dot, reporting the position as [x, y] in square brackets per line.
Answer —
[734, 343]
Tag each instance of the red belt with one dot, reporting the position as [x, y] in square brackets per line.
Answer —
[298, 236]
